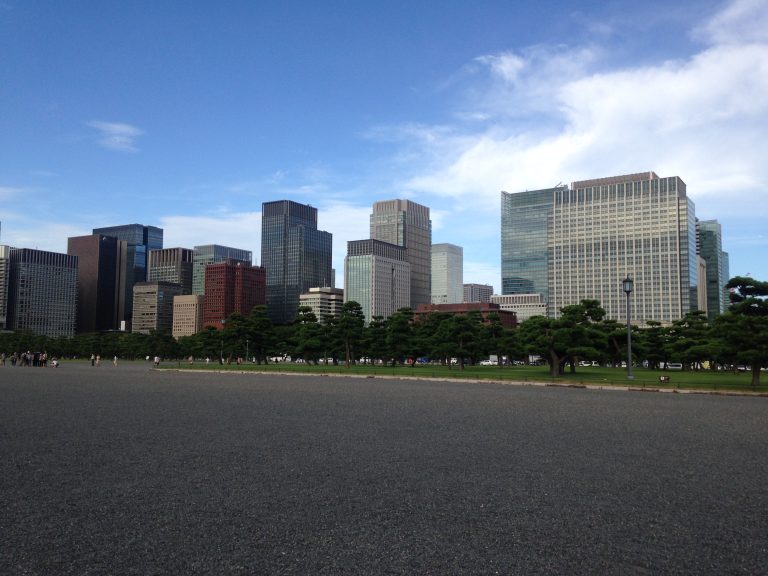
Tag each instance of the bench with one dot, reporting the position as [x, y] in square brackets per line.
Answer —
[664, 379]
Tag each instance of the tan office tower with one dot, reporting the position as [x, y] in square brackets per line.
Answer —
[153, 306]
[187, 315]
[639, 225]
[407, 224]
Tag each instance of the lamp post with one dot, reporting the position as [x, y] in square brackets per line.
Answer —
[627, 285]
[222, 342]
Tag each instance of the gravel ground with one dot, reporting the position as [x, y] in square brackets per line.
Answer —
[127, 470]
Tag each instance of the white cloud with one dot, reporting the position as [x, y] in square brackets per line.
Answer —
[117, 135]
[740, 22]
[8, 192]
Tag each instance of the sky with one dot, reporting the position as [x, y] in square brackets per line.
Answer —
[189, 115]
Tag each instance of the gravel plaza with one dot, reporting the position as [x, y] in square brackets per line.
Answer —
[130, 470]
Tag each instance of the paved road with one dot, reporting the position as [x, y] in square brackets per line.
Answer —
[132, 471]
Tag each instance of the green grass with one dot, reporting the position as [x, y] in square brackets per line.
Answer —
[643, 378]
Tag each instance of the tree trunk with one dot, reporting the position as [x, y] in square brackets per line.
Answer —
[755, 374]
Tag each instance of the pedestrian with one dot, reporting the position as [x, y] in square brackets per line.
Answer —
[114, 360]
[93, 359]
[157, 361]
[98, 360]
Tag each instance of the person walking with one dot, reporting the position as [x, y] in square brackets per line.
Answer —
[114, 360]
[98, 360]
[93, 359]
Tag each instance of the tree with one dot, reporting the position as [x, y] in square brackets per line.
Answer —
[308, 340]
[349, 328]
[400, 335]
[742, 332]
[261, 334]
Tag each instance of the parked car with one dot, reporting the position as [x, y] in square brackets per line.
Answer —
[487, 363]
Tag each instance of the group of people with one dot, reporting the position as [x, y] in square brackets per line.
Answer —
[96, 360]
[37, 359]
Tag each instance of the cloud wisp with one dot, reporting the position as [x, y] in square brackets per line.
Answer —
[116, 136]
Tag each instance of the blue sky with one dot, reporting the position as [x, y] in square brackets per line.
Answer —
[188, 115]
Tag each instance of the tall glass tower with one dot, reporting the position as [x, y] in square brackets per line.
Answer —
[296, 255]
[407, 224]
[711, 250]
[141, 239]
[525, 226]
[447, 274]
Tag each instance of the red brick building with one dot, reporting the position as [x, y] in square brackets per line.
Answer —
[508, 318]
[232, 286]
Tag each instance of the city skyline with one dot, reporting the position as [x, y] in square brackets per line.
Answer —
[189, 118]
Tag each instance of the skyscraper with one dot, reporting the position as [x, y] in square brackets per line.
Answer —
[101, 265]
[447, 274]
[42, 296]
[140, 240]
[596, 233]
[153, 306]
[295, 254]
[5, 270]
[171, 265]
[187, 314]
[711, 250]
[407, 224]
[231, 286]
[210, 254]
[377, 276]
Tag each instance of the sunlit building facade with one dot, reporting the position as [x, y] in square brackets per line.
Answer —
[377, 276]
[153, 306]
[407, 224]
[211, 254]
[447, 274]
[596, 233]
[172, 265]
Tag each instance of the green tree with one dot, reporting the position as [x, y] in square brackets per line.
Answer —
[742, 332]
[308, 336]
[349, 327]
[400, 335]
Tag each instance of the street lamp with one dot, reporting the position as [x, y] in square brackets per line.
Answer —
[222, 342]
[627, 285]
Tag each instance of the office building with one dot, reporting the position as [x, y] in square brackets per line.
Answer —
[325, 302]
[377, 276]
[407, 224]
[477, 292]
[295, 254]
[711, 250]
[140, 240]
[187, 315]
[172, 265]
[231, 286]
[590, 236]
[101, 266]
[153, 306]
[525, 223]
[447, 274]
[524, 306]
[42, 292]
[486, 310]
[211, 254]
[5, 271]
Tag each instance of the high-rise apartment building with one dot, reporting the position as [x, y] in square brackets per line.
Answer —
[153, 306]
[477, 292]
[232, 286]
[407, 224]
[377, 276]
[592, 235]
[295, 254]
[187, 315]
[42, 295]
[447, 274]
[210, 254]
[711, 250]
[171, 265]
[140, 240]
[101, 266]
[325, 302]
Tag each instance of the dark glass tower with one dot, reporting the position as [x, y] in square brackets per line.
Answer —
[295, 254]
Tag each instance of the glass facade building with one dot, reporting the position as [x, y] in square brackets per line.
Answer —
[711, 250]
[407, 224]
[42, 292]
[140, 239]
[597, 232]
[296, 255]
[525, 227]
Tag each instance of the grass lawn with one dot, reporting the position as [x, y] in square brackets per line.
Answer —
[643, 378]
